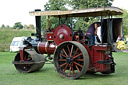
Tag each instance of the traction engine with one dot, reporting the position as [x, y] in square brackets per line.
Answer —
[73, 56]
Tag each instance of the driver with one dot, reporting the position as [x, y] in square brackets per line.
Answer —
[91, 32]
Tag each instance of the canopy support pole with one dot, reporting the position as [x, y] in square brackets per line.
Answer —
[101, 28]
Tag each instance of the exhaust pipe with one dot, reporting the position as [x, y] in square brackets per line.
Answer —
[38, 26]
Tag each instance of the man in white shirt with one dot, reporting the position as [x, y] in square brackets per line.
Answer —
[99, 32]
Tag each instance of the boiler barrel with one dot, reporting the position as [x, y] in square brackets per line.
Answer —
[46, 48]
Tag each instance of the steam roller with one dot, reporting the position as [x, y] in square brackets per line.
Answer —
[29, 61]
[71, 51]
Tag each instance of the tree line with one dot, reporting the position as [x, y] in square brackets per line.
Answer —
[83, 22]
[18, 25]
[75, 23]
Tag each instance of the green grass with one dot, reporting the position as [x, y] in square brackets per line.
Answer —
[48, 76]
[126, 46]
[6, 36]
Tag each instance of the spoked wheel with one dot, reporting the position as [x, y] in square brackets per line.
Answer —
[31, 62]
[71, 60]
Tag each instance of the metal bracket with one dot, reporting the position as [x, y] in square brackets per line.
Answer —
[26, 62]
[105, 62]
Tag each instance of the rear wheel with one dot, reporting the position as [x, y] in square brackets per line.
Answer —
[71, 60]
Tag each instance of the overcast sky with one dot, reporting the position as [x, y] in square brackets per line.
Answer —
[12, 11]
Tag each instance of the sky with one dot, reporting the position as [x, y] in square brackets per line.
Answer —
[12, 11]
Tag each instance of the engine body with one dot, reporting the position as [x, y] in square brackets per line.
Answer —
[100, 56]
[73, 55]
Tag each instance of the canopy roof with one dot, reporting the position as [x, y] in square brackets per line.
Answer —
[91, 12]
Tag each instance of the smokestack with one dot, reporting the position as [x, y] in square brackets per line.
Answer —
[38, 25]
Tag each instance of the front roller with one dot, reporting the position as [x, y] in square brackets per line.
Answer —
[32, 61]
[71, 60]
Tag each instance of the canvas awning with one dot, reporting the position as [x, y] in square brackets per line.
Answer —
[90, 12]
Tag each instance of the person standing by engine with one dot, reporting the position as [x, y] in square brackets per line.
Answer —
[91, 32]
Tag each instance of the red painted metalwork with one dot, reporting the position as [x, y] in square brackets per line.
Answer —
[46, 47]
[50, 36]
[74, 60]
[96, 54]
[100, 56]
[21, 53]
[62, 33]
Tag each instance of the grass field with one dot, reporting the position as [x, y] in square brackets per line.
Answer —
[48, 76]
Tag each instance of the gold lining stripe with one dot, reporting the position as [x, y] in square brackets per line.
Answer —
[38, 47]
[50, 40]
[46, 47]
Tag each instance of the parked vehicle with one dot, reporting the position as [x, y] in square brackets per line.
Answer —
[17, 42]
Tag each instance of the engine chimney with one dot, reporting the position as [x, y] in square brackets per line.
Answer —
[38, 26]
